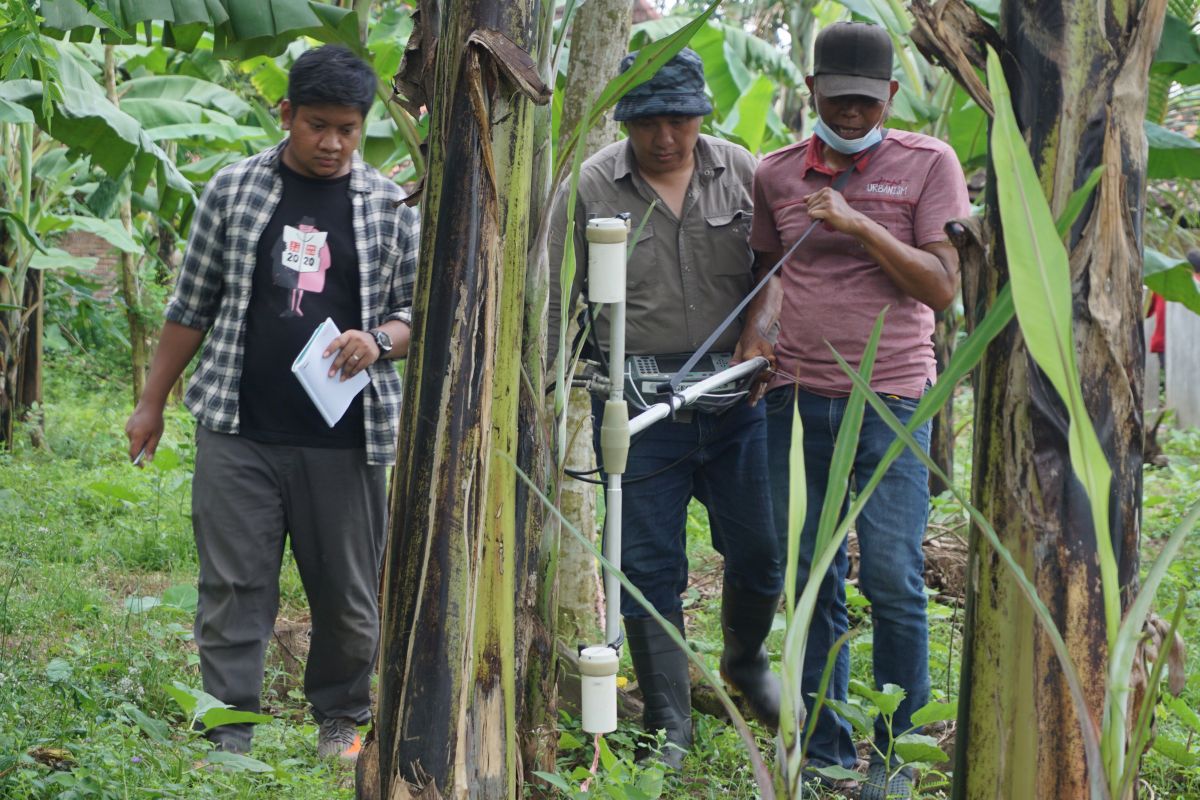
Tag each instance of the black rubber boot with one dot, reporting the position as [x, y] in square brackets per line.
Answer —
[745, 621]
[662, 675]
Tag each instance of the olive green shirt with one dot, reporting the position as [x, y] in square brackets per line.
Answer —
[684, 275]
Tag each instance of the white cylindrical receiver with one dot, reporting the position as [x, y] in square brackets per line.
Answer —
[598, 675]
[606, 259]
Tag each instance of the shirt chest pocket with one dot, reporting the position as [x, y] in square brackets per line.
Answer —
[726, 246]
[643, 256]
[897, 217]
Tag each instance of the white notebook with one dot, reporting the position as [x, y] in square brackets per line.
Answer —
[331, 396]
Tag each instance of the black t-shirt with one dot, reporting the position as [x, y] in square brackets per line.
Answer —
[306, 270]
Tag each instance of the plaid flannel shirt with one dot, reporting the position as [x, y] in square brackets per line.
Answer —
[213, 290]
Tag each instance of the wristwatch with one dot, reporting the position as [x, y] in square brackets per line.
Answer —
[383, 340]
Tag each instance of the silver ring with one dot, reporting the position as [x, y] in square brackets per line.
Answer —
[355, 358]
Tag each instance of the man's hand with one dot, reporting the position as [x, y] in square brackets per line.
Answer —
[176, 346]
[928, 273]
[356, 350]
[144, 429]
[753, 344]
[829, 206]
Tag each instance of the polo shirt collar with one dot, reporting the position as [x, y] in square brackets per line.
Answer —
[624, 165]
[814, 158]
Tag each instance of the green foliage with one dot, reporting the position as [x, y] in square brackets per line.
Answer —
[1173, 278]
[1172, 155]
[618, 775]
[97, 597]
[240, 30]
[1178, 53]
[87, 122]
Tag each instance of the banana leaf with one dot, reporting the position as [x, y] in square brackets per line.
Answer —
[240, 29]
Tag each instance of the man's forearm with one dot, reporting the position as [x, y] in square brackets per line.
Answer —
[918, 272]
[177, 344]
[762, 315]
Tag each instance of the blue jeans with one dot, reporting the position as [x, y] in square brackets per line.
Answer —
[891, 573]
[721, 460]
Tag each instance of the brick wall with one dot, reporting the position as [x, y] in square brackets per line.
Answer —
[82, 243]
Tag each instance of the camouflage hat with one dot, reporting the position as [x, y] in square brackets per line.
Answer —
[677, 88]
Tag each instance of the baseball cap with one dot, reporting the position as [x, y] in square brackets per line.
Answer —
[677, 88]
[853, 58]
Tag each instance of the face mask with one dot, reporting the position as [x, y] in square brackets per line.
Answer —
[847, 147]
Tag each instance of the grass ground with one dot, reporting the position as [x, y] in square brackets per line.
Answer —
[97, 569]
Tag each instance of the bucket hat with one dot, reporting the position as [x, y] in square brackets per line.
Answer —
[677, 88]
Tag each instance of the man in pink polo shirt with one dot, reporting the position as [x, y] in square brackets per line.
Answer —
[879, 243]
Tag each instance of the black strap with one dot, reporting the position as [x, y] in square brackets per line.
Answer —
[838, 183]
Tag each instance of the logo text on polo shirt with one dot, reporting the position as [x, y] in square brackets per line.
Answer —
[889, 188]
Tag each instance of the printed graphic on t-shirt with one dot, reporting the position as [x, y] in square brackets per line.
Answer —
[892, 188]
[299, 260]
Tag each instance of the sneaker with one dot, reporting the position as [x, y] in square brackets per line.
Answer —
[878, 786]
[339, 737]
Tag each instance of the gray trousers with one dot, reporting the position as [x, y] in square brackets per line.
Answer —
[330, 504]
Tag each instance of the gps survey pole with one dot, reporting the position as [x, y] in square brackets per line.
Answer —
[606, 284]
[607, 240]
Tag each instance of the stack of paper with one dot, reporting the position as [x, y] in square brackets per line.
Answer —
[331, 396]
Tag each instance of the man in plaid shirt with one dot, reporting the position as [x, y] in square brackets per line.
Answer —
[281, 241]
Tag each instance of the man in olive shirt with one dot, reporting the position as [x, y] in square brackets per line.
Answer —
[690, 267]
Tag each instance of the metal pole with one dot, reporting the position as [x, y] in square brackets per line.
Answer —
[612, 497]
[607, 240]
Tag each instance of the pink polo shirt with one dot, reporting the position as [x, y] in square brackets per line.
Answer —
[832, 290]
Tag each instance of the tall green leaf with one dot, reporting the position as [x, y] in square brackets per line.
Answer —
[1041, 286]
[831, 532]
[1091, 739]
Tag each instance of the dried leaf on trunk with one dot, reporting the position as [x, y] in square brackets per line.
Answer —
[952, 34]
[515, 63]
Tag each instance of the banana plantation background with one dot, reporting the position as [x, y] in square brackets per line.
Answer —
[114, 114]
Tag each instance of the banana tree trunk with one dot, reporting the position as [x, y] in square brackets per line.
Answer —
[21, 292]
[12, 351]
[29, 376]
[459, 552]
[1078, 73]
